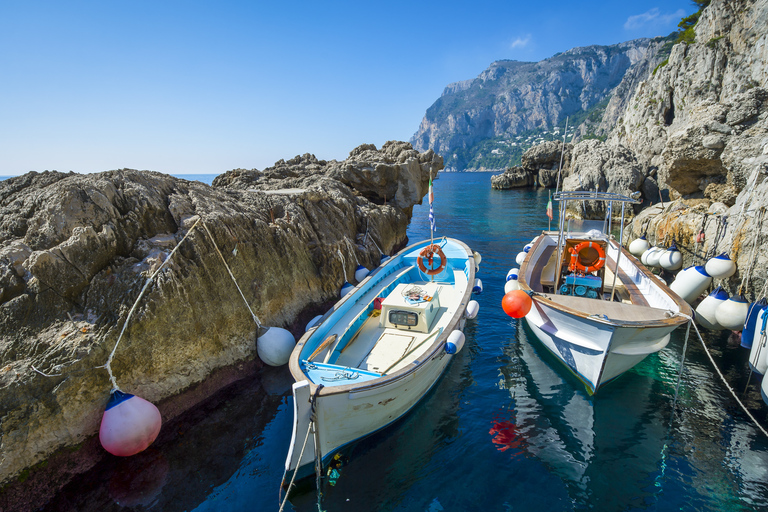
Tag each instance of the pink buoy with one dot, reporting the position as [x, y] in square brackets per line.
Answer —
[129, 424]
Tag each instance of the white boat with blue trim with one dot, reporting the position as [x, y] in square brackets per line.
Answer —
[379, 350]
[594, 305]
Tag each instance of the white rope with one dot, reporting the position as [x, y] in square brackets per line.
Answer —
[255, 318]
[343, 267]
[301, 455]
[108, 364]
[352, 249]
[745, 279]
[722, 377]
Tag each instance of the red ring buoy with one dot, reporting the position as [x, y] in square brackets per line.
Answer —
[596, 264]
[429, 253]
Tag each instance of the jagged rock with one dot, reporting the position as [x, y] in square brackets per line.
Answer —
[514, 177]
[78, 249]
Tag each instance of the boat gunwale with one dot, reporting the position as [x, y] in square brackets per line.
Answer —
[678, 318]
[387, 379]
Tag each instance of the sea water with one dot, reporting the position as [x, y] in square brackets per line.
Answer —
[506, 428]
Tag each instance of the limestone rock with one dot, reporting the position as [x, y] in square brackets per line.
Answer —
[514, 177]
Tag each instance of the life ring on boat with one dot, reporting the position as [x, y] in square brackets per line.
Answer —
[429, 253]
[596, 264]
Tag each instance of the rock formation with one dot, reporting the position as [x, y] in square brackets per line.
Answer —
[77, 249]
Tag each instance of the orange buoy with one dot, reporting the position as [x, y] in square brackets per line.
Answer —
[516, 303]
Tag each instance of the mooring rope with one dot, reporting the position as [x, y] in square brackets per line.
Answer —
[255, 318]
[108, 364]
[293, 477]
[343, 267]
[745, 280]
[722, 377]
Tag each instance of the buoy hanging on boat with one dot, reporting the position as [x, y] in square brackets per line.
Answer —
[478, 287]
[476, 256]
[360, 273]
[639, 246]
[652, 256]
[510, 285]
[512, 274]
[732, 313]
[527, 248]
[520, 257]
[672, 258]
[758, 353]
[346, 288]
[764, 390]
[691, 282]
[706, 311]
[516, 303]
[720, 267]
[748, 333]
[129, 424]
[312, 322]
[275, 346]
[473, 307]
[455, 342]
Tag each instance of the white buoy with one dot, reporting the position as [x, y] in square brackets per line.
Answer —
[312, 322]
[477, 258]
[520, 257]
[360, 273]
[346, 288]
[652, 256]
[690, 283]
[720, 267]
[758, 353]
[275, 346]
[660, 278]
[512, 274]
[527, 248]
[671, 259]
[639, 246]
[510, 285]
[129, 424]
[764, 390]
[706, 311]
[478, 288]
[646, 254]
[732, 313]
[455, 342]
[473, 307]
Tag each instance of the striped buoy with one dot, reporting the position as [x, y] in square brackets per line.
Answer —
[706, 311]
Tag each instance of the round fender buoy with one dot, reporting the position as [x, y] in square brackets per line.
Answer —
[478, 259]
[455, 342]
[720, 267]
[129, 424]
[512, 274]
[690, 283]
[473, 307]
[652, 256]
[516, 303]
[346, 288]
[360, 273]
[520, 257]
[758, 353]
[313, 322]
[671, 259]
[706, 311]
[527, 248]
[478, 287]
[510, 285]
[748, 333]
[732, 313]
[639, 246]
[275, 346]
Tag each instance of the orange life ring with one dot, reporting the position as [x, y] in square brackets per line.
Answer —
[429, 253]
[597, 263]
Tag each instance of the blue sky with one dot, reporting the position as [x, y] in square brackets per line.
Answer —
[204, 87]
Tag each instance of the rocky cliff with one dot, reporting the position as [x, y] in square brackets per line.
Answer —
[515, 103]
[75, 251]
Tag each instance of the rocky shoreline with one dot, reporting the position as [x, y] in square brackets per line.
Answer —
[77, 249]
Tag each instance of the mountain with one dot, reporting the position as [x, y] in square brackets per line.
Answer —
[491, 120]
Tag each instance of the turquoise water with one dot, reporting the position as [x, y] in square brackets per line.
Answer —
[506, 428]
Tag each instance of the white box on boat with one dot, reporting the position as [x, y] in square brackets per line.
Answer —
[410, 307]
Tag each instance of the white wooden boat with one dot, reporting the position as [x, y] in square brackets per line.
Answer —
[594, 305]
[381, 348]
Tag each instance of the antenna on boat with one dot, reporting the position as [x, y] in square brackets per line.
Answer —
[431, 196]
[562, 152]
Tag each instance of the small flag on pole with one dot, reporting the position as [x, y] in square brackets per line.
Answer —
[549, 207]
[431, 213]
